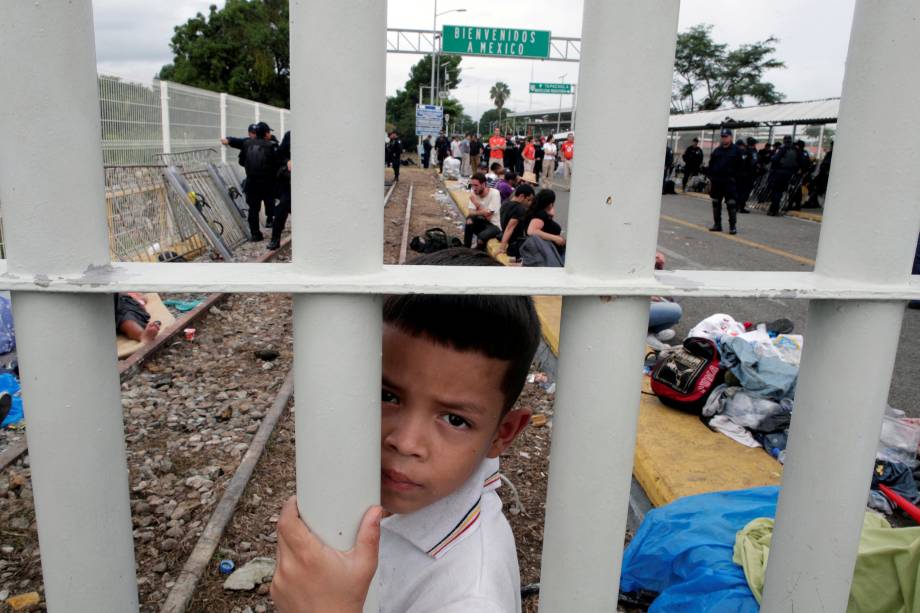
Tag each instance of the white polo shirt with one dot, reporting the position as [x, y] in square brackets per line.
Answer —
[456, 555]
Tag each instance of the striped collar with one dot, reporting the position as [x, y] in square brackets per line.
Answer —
[437, 528]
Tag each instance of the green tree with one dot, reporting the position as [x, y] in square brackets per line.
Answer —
[499, 94]
[400, 109]
[241, 49]
[708, 75]
[492, 116]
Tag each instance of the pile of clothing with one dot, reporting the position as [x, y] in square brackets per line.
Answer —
[709, 553]
[754, 404]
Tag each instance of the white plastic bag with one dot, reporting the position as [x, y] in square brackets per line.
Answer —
[763, 344]
[451, 168]
[716, 326]
[899, 439]
[789, 347]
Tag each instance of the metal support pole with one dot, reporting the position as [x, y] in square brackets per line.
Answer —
[819, 153]
[337, 338]
[434, 47]
[66, 343]
[164, 116]
[257, 113]
[613, 222]
[223, 126]
[574, 105]
[281, 124]
[835, 428]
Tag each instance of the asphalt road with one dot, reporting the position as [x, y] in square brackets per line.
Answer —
[767, 243]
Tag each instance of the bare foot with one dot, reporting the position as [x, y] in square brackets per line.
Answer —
[150, 332]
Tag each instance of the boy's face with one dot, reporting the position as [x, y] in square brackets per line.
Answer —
[441, 417]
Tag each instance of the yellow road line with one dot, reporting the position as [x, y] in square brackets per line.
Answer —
[743, 241]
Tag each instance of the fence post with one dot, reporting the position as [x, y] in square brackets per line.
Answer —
[835, 427]
[66, 342]
[256, 112]
[281, 121]
[613, 223]
[164, 116]
[223, 126]
[337, 338]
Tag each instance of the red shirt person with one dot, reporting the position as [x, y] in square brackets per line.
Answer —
[497, 146]
[529, 155]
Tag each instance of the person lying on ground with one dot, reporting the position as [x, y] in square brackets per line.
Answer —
[512, 216]
[483, 213]
[132, 318]
[540, 220]
[453, 367]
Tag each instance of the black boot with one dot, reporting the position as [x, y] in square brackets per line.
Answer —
[732, 218]
[716, 217]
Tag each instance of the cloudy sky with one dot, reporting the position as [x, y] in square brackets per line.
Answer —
[132, 40]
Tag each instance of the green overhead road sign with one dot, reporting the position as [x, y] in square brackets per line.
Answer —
[550, 88]
[495, 42]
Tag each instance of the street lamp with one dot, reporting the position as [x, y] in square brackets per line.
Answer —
[434, 45]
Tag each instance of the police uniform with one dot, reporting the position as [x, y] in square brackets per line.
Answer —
[724, 166]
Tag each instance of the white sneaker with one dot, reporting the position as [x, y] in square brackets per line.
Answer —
[666, 335]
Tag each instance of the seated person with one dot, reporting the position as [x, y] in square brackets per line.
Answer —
[663, 313]
[512, 216]
[448, 407]
[540, 223]
[483, 213]
[506, 184]
[132, 318]
[495, 174]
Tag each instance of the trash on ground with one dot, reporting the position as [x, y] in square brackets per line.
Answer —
[248, 576]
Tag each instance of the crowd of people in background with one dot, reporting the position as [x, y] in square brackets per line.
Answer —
[539, 156]
[734, 169]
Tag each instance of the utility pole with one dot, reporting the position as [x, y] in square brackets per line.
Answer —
[559, 117]
[434, 47]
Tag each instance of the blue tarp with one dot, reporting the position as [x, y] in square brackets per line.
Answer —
[684, 551]
[10, 384]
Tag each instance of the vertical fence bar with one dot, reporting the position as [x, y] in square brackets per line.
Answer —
[281, 123]
[164, 116]
[613, 219]
[256, 112]
[337, 338]
[66, 342]
[223, 126]
[835, 427]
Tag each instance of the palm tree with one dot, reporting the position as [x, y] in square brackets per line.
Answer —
[499, 93]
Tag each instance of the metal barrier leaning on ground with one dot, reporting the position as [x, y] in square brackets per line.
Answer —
[61, 280]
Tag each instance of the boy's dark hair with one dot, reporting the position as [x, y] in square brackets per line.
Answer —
[500, 327]
[510, 176]
[523, 190]
[495, 166]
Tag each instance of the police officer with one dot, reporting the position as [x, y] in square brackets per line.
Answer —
[747, 172]
[259, 154]
[283, 208]
[693, 159]
[724, 166]
[787, 160]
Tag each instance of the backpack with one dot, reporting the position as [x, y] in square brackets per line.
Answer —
[683, 378]
[259, 159]
[790, 159]
[435, 239]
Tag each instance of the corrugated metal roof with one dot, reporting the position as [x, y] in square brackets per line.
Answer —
[812, 111]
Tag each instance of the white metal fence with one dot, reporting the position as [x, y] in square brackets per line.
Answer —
[60, 274]
[133, 116]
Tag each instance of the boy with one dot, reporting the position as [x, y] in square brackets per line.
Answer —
[453, 367]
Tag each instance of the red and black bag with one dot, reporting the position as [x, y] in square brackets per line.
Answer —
[683, 378]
